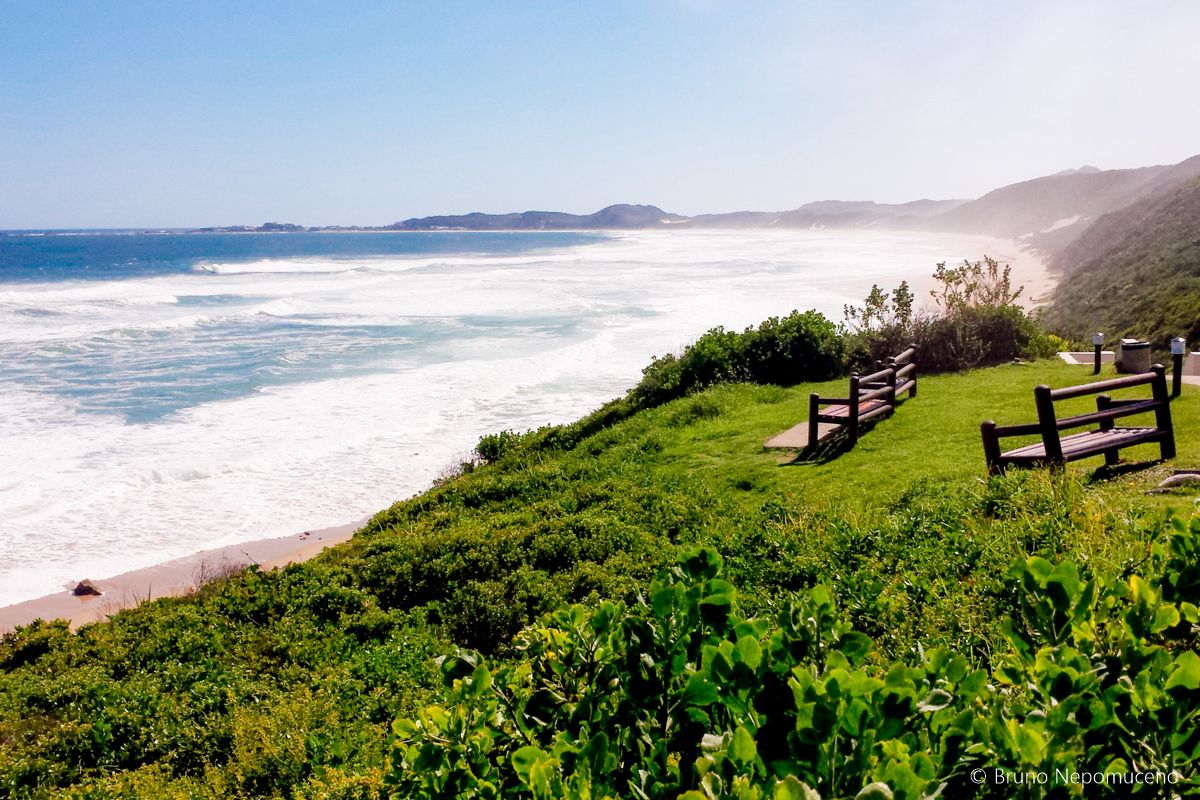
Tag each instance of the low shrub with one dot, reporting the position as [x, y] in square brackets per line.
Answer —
[978, 322]
[782, 350]
[678, 695]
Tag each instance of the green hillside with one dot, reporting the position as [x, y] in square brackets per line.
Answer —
[286, 683]
[1135, 272]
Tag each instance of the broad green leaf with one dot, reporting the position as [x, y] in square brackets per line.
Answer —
[1030, 744]
[820, 597]
[742, 749]
[854, 645]
[699, 691]
[1187, 672]
[1039, 569]
[702, 563]
[1166, 617]
[719, 593]
[792, 788]
[875, 791]
[936, 700]
[748, 652]
[524, 759]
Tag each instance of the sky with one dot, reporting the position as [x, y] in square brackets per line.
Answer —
[131, 114]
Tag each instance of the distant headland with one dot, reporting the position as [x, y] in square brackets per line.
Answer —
[1044, 214]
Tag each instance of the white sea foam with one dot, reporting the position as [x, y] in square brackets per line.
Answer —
[510, 342]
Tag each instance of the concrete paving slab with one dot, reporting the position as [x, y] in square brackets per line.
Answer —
[796, 438]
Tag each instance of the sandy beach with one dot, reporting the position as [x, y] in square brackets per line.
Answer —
[172, 578]
[1029, 269]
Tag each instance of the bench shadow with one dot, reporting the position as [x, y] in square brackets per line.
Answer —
[1106, 473]
[827, 449]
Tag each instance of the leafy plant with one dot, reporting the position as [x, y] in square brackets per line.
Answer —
[782, 350]
[680, 696]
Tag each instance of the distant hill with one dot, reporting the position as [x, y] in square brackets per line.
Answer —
[266, 227]
[1048, 213]
[831, 214]
[616, 216]
[1045, 213]
[1135, 271]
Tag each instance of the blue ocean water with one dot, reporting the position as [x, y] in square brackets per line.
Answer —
[35, 256]
[228, 344]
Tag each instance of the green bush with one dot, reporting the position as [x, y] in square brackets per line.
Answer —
[978, 323]
[793, 349]
[680, 696]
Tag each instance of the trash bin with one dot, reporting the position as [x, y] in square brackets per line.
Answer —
[1134, 356]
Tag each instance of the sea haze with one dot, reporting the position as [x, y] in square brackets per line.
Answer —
[162, 394]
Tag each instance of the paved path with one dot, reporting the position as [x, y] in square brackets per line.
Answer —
[796, 438]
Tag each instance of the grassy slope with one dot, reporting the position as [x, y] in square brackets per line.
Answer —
[286, 682]
[1135, 272]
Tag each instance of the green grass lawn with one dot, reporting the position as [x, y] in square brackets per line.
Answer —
[933, 437]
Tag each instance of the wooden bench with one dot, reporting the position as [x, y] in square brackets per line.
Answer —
[905, 366]
[870, 396]
[1106, 439]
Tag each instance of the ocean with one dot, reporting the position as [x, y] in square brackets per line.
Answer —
[166, 393]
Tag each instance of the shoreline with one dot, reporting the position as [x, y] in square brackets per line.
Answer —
[180, 576]
[174, 578]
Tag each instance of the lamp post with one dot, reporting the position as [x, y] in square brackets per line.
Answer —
[1178, 351]
[1097, 343]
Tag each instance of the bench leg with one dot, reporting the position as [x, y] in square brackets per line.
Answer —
[1166, 447]
[814, 406]
[1112, 457]
[991, 447]
[1162, 414]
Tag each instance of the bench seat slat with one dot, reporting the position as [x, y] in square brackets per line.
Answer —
[1089, 443]
[840, 412]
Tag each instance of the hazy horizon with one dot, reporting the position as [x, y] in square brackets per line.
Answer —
[144, 116]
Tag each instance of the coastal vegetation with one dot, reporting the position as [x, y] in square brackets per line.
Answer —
[645, 603]
[1135, 273]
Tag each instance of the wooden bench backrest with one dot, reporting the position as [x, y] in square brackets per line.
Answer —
[1049, 425]
[1156, 378]
[906, 357]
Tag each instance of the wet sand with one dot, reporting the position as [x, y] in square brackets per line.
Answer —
[172, 578]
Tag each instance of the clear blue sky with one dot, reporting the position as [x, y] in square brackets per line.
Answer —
[173, 114]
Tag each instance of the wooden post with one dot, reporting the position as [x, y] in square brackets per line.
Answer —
[913, 391]
[891, 382]
[852, 416]
[1104, 403]
[1096, 362]
[1178, 351]
[991, 447]
[814, 407]
[1049, 425]
[1162, 413]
